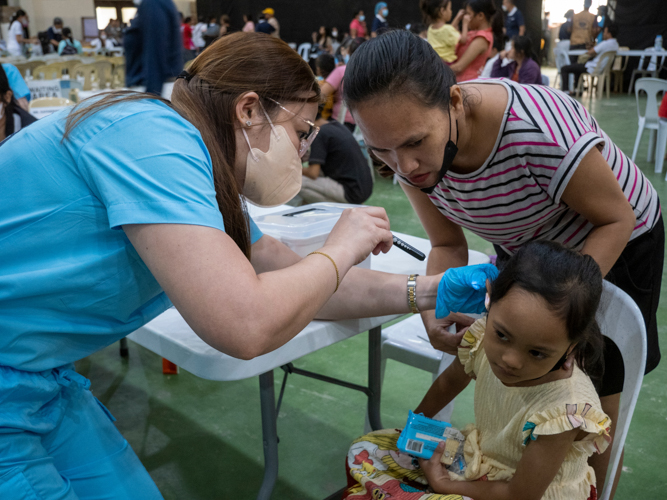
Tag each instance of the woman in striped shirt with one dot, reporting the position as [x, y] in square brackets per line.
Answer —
[520, 163]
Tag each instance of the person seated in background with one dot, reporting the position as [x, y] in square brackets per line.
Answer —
[523, 68]
[114, 31]
[13, 117]
[338, 170]
[324, 65]
[17, 85]
[55, 34]
[68, 45]
[609, 43]
[103, 42]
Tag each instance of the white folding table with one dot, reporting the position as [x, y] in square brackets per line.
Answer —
[170, 337]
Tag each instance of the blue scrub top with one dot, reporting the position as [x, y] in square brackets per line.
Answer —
[16, 81]
[71, 282]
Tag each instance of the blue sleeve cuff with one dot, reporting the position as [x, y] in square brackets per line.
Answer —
[163, 212]
[255, 232]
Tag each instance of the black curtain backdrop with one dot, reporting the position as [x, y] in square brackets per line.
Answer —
[299, 18]
[640, 21]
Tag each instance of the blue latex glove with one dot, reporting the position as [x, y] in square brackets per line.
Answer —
[463, 289]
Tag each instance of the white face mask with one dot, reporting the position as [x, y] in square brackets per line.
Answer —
[272, 178]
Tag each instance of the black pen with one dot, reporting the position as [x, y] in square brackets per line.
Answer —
[409, 249]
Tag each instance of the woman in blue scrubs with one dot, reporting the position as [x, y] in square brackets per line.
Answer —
[129, 204]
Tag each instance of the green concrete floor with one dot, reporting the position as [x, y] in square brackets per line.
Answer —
[202, 440]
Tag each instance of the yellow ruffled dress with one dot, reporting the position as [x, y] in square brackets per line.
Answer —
[507, 418]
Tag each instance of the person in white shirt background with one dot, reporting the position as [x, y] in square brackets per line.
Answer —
[607, 44]
[198, 34]
[15, 39]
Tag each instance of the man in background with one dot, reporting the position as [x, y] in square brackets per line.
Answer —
[609, 43]
[55, 34]
[269, 15]
[584, 25]
[153, 46]
[515, 25]
[338, 171]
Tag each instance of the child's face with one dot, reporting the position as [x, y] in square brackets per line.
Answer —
[524, 339]
[447, 12]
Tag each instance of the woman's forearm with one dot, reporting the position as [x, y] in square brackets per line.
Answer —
[606, 243]
[366, 293]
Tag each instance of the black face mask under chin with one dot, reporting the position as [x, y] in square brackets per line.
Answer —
[450, 152]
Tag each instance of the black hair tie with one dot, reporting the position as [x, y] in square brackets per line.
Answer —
[185, 75]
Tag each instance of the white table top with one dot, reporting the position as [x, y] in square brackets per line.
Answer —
[634, 53]
[169, 335]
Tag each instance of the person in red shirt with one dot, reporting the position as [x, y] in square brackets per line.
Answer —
[188, 45]
[662, 111]
[358, 25]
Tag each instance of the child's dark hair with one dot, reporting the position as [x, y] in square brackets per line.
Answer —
[524, 45]
[326, 63]
[571, 285]
[495, 18]
[431, 9]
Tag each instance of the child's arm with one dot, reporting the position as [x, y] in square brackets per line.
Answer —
[464, 30]
[457, 19]
[536, 470]
[445, 388]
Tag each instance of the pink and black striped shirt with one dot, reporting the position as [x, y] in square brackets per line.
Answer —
[515, 196]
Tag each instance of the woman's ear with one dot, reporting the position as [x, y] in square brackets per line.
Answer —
[456, 101]
[247, 109]
[7, 98]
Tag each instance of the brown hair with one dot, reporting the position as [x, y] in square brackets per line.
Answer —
[232, 66]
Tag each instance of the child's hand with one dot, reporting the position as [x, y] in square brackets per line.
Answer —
[435, 472]
[466, 19]
[440, 336]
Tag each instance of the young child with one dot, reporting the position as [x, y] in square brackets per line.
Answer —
[443, 37]
[538, 416]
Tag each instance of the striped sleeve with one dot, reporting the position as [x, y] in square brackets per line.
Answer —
[569, 165]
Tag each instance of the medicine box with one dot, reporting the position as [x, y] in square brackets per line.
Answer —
[422, 435]
[305, 229]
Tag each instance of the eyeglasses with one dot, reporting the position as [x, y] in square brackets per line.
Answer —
[308, 137]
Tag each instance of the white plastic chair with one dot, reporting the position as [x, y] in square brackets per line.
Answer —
[652, 87]
[652, 69]
[545, 80]
[621, 320]
[562, 58]
[304, 51]
[600, 76]
[408, 343]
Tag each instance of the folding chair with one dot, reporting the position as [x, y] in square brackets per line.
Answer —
[599, 76]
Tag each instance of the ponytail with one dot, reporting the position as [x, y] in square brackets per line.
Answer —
[16, 15]
[589, 353]
[67, 33]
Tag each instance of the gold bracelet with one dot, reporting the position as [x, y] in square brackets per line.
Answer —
[334, 264]
[412, 293]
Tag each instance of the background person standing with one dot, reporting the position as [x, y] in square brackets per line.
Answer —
[153, 46]
[270, 16]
